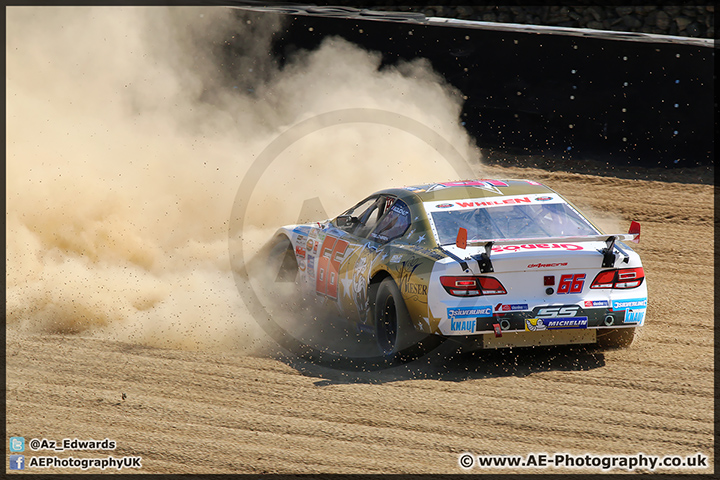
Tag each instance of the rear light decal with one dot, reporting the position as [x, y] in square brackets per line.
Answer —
[469, 286]
[619, 278]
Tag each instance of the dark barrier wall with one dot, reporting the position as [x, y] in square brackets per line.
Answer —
[630, 99]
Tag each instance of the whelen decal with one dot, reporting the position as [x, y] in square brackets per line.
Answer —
[619, 305]
[540, 324]
[494, 203]
[485, 202]
[547, 265]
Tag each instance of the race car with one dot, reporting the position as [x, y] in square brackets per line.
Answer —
[485, 263]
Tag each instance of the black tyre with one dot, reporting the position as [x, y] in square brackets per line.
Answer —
[615, 337]
[282, 262]
[393, 328]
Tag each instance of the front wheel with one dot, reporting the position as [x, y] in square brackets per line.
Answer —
[615, 337]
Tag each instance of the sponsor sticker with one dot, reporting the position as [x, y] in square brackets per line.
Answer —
[541, 324]
[399, 210]
[462, 325]
[396, 258]
[300, 251]
[634, 316]
[501, 307]
[475, 183]
[596, 303]
[562, 311]
[532, 246]
[468, 312]
[619, 305]
[543, 199]
[547, 265]
[486, 202]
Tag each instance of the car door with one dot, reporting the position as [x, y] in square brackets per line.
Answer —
[345, 253]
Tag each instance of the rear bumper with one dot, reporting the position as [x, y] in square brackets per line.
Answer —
[463, 322]
[526, 339]
[583, 319]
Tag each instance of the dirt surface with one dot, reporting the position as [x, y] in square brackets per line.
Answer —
[211, 412]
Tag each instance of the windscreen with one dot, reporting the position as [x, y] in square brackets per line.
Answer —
[496, 222]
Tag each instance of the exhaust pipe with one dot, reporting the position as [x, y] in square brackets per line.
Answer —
[609, 320]
[505, 324]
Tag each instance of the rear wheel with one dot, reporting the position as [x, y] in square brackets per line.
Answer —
[394, 330]
[389, 311]
[615, 337]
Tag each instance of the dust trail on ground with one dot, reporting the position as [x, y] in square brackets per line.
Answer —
[128, 132]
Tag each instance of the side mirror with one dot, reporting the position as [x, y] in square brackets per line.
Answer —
[345, 220]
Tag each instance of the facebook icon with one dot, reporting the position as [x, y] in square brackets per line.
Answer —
[17, 462]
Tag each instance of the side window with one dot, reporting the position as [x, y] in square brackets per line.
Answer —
[366, 215]
[393, 224]
[369, 218]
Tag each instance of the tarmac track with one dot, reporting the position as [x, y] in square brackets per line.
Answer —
[207, 412]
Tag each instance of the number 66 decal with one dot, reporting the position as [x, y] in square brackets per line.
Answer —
[571, 283]
[331, 253]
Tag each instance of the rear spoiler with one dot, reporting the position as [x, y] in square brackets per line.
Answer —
[608, 252]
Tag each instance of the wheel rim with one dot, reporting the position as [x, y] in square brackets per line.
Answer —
[387, 327]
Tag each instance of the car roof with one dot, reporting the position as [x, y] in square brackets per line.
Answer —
[462, 189]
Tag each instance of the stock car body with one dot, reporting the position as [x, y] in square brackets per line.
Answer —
[487, 263]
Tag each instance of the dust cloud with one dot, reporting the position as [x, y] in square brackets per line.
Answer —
[129, 131]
